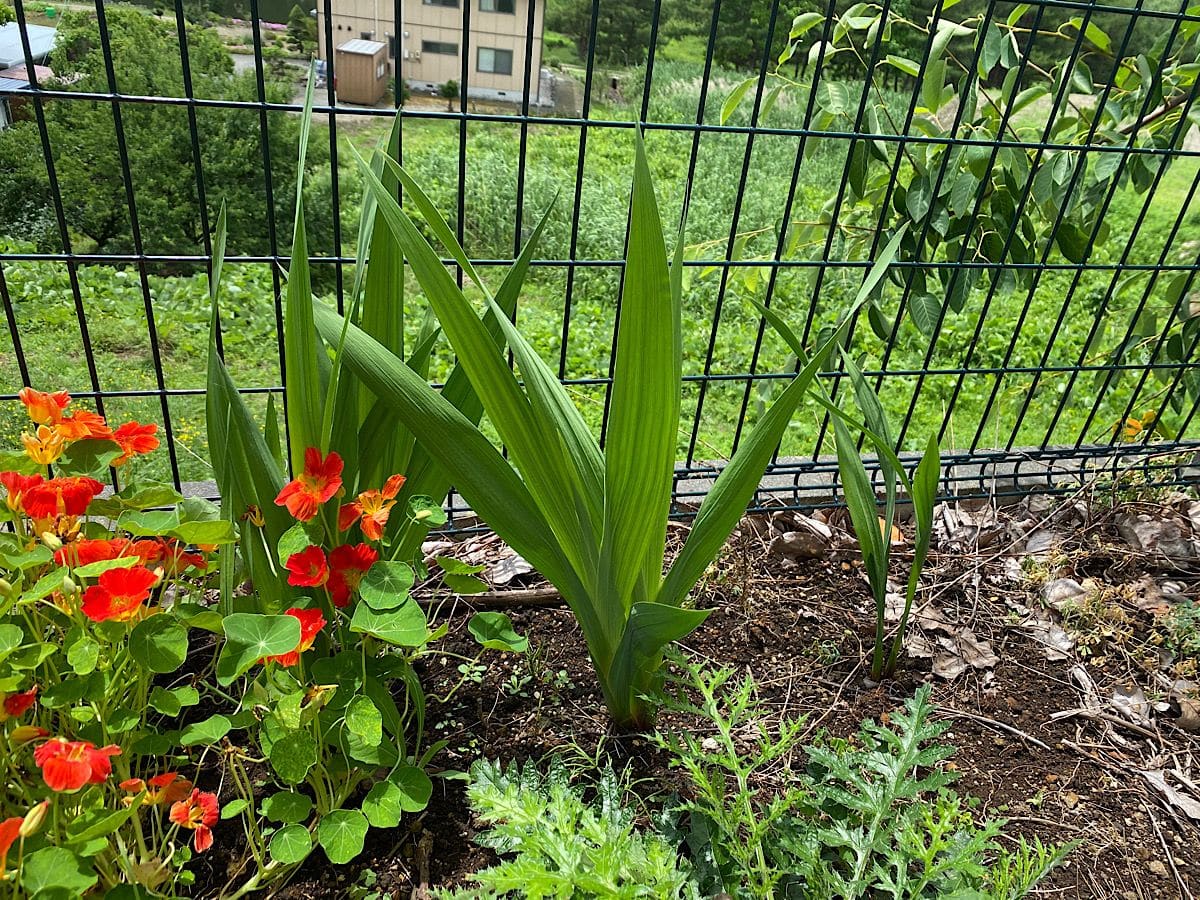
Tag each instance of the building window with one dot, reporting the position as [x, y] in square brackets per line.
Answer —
[498, 62]
[391, 42]
[444, 47]
[366, 35]
[450, 3]
[498, 6]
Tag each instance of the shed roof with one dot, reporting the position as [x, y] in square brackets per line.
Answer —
[12, 85]
[41, 42]
[366, 48]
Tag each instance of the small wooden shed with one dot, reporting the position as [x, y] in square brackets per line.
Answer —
[362, 71]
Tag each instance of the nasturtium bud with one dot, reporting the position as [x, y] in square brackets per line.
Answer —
[69, 586]
[6, 588]
[34, 819]
[52, 540]
[23, 734]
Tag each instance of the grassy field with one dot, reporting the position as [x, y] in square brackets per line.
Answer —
[112, 302]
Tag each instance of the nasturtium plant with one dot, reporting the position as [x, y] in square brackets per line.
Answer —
[93, 640]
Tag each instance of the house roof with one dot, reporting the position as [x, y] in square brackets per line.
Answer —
[12, 85]
[366, 48]
[12, 53]
[21, 73]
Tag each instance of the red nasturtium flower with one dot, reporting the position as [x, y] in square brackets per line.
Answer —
[308, 568]
[169, 787]
[348, 564]
[16, 705]
[198, 812]
[69, 765]
[134, 440]
[17, 484]
[371, 507]
[320, 480]
[86, 551]
[311, 622]
[10, 829]
[119, 594]
[60, 497]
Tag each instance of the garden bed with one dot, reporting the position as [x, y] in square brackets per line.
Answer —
[803, 627]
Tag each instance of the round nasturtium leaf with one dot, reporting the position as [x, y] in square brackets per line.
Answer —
[494, 630]
[386, 585]
[208, 731]
[250, 637]
[159, 643]
[342, 834]
[287, 807]
[293, 755]
[290, 845]
[364, 721]
[55, 870]
[234, 808]
[405, 626]
[415, 788]
[381, 806]
[294, 540]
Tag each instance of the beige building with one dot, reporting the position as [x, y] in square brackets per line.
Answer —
[426, 47]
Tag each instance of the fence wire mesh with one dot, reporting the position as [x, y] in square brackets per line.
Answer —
[1042, 318]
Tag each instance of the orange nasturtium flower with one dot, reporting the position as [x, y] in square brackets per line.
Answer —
[60, 497]
[169, 787]
[311, 623]
[320, 480]
[119, 594]
[69, 765]
[371, 507]
[83, 423]
[199, 813]
[10, 830]
[43, 408]
[134, 440]
[308, 568]
[348, 564]
[17, 484]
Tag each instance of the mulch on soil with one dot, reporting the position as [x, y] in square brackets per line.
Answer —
[802, 626]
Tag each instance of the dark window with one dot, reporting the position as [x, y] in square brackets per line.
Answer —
[444, 47]
[391, 46]
[451, 3]
[498, 6]
[366, 35]
[498, 62]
